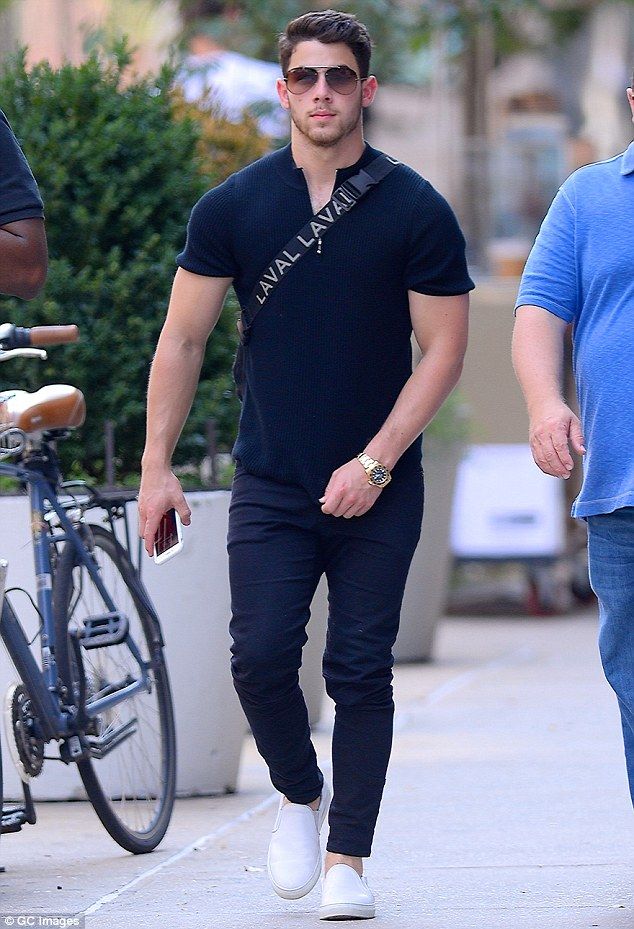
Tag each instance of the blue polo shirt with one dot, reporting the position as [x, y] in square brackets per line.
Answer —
[581, 268]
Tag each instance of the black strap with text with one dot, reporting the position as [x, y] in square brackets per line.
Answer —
[343, 200]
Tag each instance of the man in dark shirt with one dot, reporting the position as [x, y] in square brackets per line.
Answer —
[23, 256]
[331, 410]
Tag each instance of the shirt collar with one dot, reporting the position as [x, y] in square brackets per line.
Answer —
[294, 176]
[627, 165]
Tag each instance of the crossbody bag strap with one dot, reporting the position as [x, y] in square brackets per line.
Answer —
[344, 198]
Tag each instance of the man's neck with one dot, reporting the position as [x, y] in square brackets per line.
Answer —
[320, 164]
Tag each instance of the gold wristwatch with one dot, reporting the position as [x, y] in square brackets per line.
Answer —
[378, 474]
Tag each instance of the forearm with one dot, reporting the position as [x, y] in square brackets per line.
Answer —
[538, 356]
[194, 308]
[172, 386]
[538, 360]
[420, 399]
[22, 262]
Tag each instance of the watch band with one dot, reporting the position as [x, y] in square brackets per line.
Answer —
[367, 461]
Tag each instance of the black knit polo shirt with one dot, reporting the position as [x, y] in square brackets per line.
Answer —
[330, 350]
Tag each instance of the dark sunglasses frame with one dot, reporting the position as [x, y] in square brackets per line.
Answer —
[314, 72]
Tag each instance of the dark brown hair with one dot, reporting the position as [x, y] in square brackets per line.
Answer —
[327, 26]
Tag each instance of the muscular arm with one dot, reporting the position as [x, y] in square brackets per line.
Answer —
[23, 258]
[194, 308]
[538, 338]
[440, 326]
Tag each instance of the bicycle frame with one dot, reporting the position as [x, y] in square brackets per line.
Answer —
[55, 722]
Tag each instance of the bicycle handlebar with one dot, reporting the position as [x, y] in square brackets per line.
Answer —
[54, 335]
[16, 337]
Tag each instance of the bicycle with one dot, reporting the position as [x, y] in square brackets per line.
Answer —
[102, 692]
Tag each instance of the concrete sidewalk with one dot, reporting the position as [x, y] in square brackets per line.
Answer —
[506, 806]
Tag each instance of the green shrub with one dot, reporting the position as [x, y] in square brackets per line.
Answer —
[120, 161]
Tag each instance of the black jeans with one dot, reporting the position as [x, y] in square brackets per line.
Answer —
[279, 544]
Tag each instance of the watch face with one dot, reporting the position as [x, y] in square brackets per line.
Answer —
[380, 475]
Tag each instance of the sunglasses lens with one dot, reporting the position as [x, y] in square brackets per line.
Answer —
[343, 80]
[301, 80]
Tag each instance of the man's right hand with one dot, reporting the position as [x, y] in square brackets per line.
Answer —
[554, 430]
[160, 491]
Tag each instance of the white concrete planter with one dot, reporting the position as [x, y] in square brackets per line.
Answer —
[191, 593]
[426, 590]
[56, 782]
[310, 677]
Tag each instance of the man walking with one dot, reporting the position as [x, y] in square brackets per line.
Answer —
[23, 257]
[328, 476]
[581, 272]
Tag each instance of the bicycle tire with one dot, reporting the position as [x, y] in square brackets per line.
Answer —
[70, 576]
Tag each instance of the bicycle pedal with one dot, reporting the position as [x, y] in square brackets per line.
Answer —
[104, 629]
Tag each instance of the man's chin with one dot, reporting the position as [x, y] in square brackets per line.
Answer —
[325, 136]
[325, 142]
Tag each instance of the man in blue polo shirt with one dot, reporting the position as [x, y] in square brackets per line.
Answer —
[581, 272]
[23, 257]
[331, 409]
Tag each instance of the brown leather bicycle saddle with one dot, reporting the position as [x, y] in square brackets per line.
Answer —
[56, 407]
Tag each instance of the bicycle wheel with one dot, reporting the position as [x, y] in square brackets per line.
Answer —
[131, 784]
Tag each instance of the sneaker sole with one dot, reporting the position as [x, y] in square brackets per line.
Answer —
[347, 911]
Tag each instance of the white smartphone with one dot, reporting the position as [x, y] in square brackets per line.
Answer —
[168, 540]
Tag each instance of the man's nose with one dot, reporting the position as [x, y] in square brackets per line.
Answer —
[322, 88]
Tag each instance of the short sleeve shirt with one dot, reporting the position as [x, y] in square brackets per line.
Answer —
[330, 349]
[581, 269]
[19, 195]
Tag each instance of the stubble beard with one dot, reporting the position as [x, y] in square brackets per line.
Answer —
[317, 137]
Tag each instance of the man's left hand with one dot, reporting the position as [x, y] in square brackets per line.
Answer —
[348, 492]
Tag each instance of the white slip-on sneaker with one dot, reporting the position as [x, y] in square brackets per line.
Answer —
[294, 859]
[345, 895]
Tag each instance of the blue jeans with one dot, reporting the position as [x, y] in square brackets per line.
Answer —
[611, 560]
[279, 544]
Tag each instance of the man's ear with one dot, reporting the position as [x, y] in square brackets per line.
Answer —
[369, 89]
[282, 92]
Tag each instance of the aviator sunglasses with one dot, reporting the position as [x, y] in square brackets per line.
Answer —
[341, 79]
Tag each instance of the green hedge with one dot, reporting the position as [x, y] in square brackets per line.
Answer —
[120, 161]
